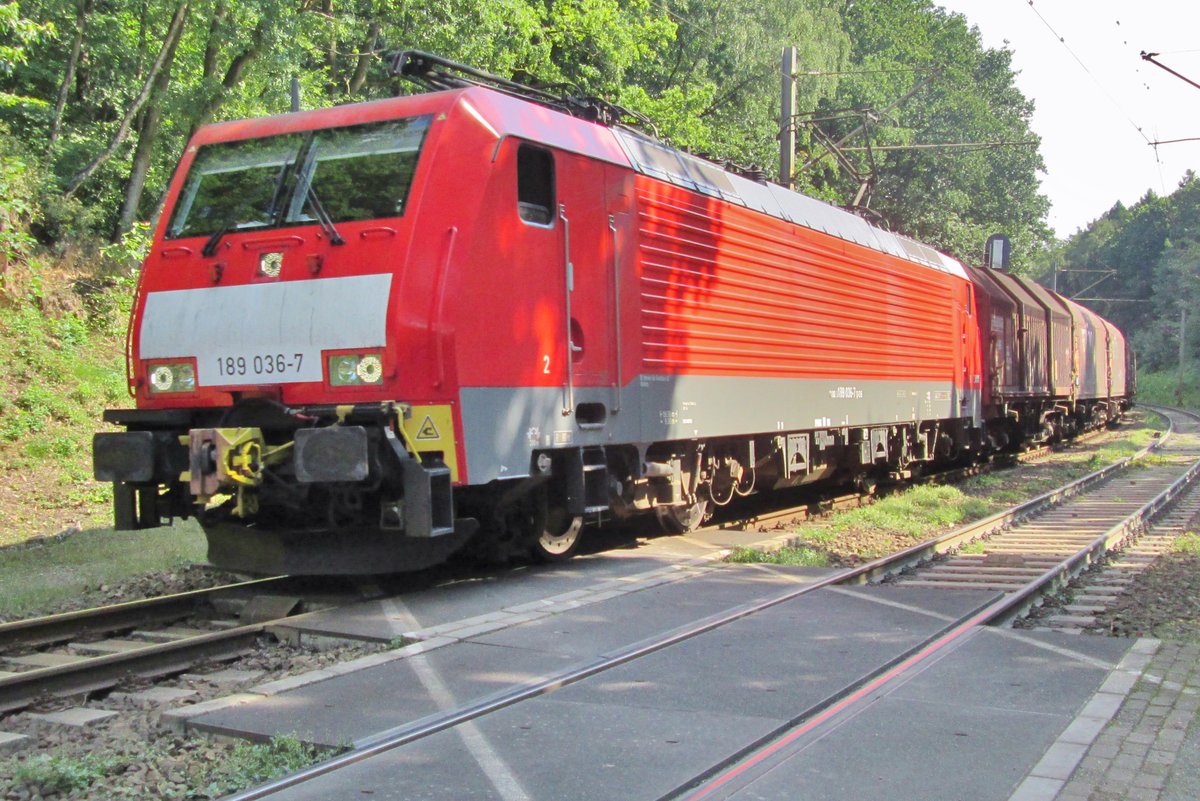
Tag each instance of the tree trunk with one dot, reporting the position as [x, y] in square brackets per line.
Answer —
[363, 62]
[174, 31]
[85, 9]
[233, 76]
[144, 152]
[212, 47]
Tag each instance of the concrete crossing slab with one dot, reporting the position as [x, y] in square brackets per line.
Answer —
[383, 620]
[644, 729]
[772, 666]
[990, 711]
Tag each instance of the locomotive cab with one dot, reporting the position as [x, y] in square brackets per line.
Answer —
[290, 375]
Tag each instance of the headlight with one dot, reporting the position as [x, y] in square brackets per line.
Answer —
[370, 369]
[356, 370]
[173, 377]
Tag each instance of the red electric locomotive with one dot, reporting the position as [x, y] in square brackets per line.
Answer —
[368, 336]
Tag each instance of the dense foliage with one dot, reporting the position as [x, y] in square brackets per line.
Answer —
[1140, 267]
[99, 96]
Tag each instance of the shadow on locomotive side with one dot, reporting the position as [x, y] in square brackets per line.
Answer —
[482, 319]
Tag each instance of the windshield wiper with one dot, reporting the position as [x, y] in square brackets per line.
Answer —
[210, 247]
[323, 217]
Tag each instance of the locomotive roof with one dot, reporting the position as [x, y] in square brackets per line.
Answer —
[505, 115]
[517, 117]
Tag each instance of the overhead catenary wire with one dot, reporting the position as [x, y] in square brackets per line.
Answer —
[948, 145]
[824, 73]
[1062, 40]
[1158, 142]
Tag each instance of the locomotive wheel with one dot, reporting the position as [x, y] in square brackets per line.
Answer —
[682, 519]
[559, 537]
[552, 534]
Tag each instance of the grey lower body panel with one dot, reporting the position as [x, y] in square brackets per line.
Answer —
[504, 425]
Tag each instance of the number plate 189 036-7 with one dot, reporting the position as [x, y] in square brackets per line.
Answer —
[257, 367]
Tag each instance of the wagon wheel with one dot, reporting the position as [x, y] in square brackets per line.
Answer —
[683, 519]
[555, 534]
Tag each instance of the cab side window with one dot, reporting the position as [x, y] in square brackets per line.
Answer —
[535, 185]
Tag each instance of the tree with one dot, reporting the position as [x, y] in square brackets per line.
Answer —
[715, 88]
[166, 54]
[76, 51]
[920, 181]
[118, 95]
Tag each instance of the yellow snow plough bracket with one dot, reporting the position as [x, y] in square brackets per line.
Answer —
[229, 460]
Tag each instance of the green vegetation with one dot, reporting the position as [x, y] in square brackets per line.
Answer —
[914, 512]
[59, 369]
[795, 556]
[255, 763]
[37, 576]
[61, 773]
[1134, 440]
[1165, 388]
[241, 766]
[1187, 544]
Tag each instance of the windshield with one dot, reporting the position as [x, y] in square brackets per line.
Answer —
[360, 172]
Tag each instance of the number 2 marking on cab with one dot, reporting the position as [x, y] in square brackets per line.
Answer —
[545, 365]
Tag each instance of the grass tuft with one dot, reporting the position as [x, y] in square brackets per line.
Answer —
[255, 763]
[1187, 544]
[793, 556]
[915, 512]
[55, 774]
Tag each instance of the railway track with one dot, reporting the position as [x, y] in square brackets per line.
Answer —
[1063, 532]
[90, 651]
[1053, 538]
[94, 650]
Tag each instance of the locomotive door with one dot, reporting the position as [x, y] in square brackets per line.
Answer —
[589, 295]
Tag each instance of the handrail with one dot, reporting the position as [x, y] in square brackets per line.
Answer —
[569, 389]
[616, 334]
[435, 318]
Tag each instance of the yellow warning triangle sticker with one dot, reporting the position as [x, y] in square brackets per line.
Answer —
[428, 429]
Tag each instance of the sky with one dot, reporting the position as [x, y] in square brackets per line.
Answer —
[1092, 92]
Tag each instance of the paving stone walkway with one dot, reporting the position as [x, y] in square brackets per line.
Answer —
[1150, 750]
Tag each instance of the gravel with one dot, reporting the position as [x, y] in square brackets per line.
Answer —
[131, 756]
[1163, 601]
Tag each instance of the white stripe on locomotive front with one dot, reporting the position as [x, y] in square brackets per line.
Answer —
[286, 318]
